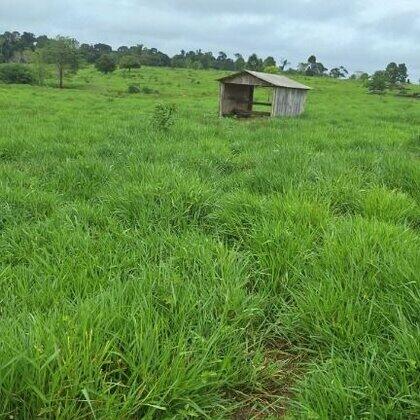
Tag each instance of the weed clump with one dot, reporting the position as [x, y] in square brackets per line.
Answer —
[133, 89]
[149, 91]
[145, 89]
[163, 116]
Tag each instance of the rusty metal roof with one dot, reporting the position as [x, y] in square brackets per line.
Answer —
[271, 79]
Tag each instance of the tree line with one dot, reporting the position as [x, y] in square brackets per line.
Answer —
[19, 48]
[68, 54]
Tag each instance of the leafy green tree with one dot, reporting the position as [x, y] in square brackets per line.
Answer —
[254, 63]
[312, 67]
[87, 53]
[41, 41]
[2, 42]
[391, 72]
[106, 64]
[9, 44]
[123, 49]
[338, 72]
[153, 57]
[136, 49]
[239, 62]
[283, 64]
[270, 62]
[63, 53]
[222, 62]
[101, 49]
[129, 62]
[402, 73]
[207, 59]
[272, 70]
[178, 61]
[378, 82]
[27, 41]
[312, 59]
[396, 73]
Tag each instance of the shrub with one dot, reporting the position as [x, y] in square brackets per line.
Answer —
[106, 64]
[363, 77]
[378, 82]
[148, 91]
[164, 116]
[134, 89]
[272, 70]
[16, 73]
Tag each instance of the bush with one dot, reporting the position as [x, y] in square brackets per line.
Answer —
[148, 91]
[164, 116]
[134, 89]
[16, 73]
[378, 82]
[106, 64]
[272, 70]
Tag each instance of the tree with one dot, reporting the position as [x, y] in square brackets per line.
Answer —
[87, 53]
[2, 43]
[207, 60]
[312, 67]
[391, 72]
[222, 56]
[41, 41]
[271, 70]
[312, 59]
[239, 62]
[254, 63]
[123, 49]
[283, 64]
[221, 60]
[27, 41]
[101, 49]
[338, 72]
[270, 62]
[378, 82]
[106, 64]
[129, 62]
[154, 57]
[402, 73]
[63, 53]
[396, 73]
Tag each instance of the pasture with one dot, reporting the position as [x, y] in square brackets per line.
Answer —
[221, 269]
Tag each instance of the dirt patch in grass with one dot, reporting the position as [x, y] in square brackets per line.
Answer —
[282, 367]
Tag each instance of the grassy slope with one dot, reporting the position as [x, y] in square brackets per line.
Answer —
[152, 275]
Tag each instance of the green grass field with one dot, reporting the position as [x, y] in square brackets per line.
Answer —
[226, 268]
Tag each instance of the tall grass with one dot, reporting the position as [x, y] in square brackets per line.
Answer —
[220, 268]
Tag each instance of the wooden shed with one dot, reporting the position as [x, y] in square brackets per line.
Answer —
[237, 94]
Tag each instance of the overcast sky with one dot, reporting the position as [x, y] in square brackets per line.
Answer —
[359, 34]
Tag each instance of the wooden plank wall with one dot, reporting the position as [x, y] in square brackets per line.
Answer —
[288, 102]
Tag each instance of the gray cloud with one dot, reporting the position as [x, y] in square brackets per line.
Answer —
[362, 35]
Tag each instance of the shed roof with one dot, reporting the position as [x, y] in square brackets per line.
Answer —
[271, 79]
